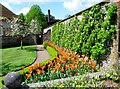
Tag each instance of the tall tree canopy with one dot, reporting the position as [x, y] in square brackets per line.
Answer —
[35, 13]
[19, 29]
[21, 16]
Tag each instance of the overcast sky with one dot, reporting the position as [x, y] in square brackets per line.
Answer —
[59, 8]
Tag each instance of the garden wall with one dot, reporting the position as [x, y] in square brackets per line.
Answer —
[114, 56]
[8, 41]
[46, 36]
[115, 52]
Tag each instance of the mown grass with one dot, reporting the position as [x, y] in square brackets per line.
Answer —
[53, 54]
[14, 58]
[1, 80]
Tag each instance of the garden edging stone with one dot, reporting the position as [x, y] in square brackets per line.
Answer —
[42, 84]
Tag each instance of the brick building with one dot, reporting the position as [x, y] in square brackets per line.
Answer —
[5, 16]
[5, 12]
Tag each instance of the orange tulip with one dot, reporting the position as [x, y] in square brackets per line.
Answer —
[36, 66]
[76, 56]
[50, 62]
[83, 63]
[58, 66]
[72, 59]
[28, 75]
[54, 62]
[73, 67]
[76, 62]
[63, 62]
[62, 70]
[54, 69]
[72, 62]
[83, 55]
[76, 66]
[30, 68]
[43, 67]
[40, 65]
[48, 66]
[82, 59]
[38, 71]
[93, 64]
[70, 65]
[86, 58]
[66, 67]
[42, 71]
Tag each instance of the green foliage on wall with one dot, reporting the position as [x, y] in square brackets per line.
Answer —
[91, 35]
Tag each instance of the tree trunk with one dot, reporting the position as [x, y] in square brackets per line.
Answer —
[21, 43]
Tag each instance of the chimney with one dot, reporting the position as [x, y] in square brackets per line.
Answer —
[48, 17]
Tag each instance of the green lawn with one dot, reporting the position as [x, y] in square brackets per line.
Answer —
[29, 53]
[14, 58]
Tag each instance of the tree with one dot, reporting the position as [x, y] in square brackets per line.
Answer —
[34, 27]
[19, 29]
[35, 13]
[21, 16]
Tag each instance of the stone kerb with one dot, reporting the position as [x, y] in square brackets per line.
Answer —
[89, 76]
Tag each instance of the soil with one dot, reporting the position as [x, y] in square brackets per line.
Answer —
[109, 83]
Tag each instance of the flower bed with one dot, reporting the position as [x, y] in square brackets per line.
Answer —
[53, 54]
[67, 64]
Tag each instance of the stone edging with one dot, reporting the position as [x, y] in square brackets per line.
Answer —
[42, 84]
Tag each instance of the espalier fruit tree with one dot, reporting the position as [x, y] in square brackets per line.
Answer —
[92, 35]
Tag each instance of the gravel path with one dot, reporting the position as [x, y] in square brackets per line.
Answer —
[42, 54]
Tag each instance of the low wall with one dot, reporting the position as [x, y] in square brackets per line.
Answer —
[7, 41]
[58, 81]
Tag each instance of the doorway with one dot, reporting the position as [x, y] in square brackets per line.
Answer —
[39, 39]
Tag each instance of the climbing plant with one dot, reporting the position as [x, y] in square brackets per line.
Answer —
[91, 35]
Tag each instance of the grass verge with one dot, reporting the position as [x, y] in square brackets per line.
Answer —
[53, 54]
[14, 58]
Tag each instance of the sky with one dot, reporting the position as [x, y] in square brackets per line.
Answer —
[60, 9]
